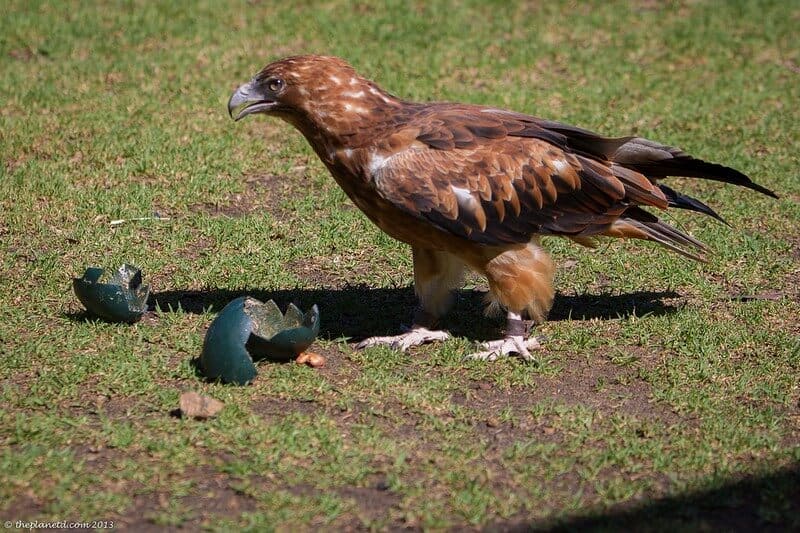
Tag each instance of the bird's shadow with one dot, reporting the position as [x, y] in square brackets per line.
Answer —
[358, 311]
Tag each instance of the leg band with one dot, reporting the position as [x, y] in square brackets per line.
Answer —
[516, 327]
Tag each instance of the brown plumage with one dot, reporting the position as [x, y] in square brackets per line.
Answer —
[475, 187]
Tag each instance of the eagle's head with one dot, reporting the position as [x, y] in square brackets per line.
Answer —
[311, 92]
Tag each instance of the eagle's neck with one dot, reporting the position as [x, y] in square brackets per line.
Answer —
[346, 113]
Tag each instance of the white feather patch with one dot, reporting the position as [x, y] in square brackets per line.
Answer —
[462, 195]
[468, 205]
[376, 162]
[560, 165]
[354, 108]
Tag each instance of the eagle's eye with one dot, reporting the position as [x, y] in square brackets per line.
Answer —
[275, 84]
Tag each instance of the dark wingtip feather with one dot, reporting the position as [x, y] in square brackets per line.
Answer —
[697, 168]
[740, 179]
[683, 201]
[656, 160]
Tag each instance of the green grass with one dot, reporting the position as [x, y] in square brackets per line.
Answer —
[663, 399]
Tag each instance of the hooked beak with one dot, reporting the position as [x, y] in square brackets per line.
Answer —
[247, 100]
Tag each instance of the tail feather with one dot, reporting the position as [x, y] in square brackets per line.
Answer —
[637, 223]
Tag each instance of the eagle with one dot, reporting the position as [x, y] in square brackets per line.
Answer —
[476, 187]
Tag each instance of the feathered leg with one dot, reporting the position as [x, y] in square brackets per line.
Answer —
[520, 280]
[436, 274]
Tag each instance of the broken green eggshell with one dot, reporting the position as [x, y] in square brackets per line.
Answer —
[119, 297]
[248, 330]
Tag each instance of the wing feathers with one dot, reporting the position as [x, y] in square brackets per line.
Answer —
[498, 177]
[518, 189]
[585, 141]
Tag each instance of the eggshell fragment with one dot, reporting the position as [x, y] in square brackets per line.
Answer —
[118, 298]
[248, 330]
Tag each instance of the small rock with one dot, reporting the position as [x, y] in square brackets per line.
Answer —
[311, 359]
[195, 406]
[100, 401]
[492, 422]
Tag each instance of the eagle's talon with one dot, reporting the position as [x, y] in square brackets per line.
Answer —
[511, 345]
[404, 341]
